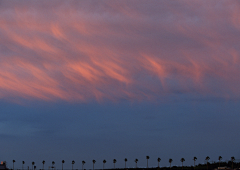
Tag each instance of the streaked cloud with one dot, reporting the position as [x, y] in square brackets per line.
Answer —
[97, 50]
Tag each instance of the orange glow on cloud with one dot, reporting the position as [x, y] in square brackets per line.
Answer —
[118, 53]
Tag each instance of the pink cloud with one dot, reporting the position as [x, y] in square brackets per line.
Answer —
[80, 51]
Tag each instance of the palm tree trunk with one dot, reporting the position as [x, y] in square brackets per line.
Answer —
[62, 166]
[182, 165]
[147, 163]
[125, 164]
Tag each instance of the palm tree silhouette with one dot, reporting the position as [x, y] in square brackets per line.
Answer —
[232, 159]
[83, 162]
[194, 159]
[43, 162]
[147, 157]
[182, 160]
[33, 164]
[53, 164]
[158, 159]
[104, 161]
[73, 162]
[170, 161]
[136, 160]
[207, 159]
[219, 159]
[23, 164]
[13, 163]
[125, 162]
[114, 161]
[93, 161]
[62, 163]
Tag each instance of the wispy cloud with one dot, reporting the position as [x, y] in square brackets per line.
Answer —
[96, 50]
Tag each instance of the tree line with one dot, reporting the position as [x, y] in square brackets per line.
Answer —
[182, 160]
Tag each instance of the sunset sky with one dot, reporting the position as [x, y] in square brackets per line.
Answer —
[105, 79]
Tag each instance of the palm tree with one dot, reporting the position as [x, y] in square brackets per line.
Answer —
[53, 164]
[232, 159]
[83, 162]
[219, 159]
[170, 161]
[62, 163]
[194, 159]
[104, 161]
[43, 162]
[13, 163]
[158, 159]
[125, 162]
[73, 162]
[93, 161]
[33, 164]
[182, 160]
[136, 160]
[23, 164]
[207, 159]
[114, 161]
[147, 157]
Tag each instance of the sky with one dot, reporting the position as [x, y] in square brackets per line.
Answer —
[107, 79]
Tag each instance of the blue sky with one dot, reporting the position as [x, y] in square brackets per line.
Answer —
[53, 131]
